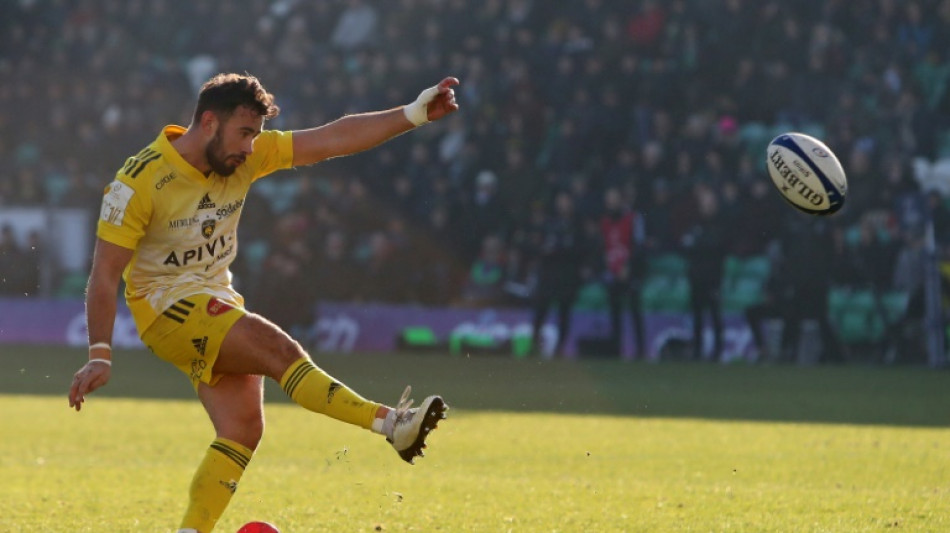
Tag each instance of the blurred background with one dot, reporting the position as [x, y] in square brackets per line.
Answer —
[608, 158]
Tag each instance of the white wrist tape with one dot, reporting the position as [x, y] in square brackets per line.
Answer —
[108, 362]
[103, 345]
[418, 111]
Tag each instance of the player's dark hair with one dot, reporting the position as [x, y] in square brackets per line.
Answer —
[224, 93]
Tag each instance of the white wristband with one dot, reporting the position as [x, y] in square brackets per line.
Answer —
[104, 345]
[108, 362]
[418, 111]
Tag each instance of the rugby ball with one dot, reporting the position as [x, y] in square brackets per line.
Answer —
[258, 527]
[807, 173]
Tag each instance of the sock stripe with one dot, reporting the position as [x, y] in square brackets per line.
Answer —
[239, 458]
[298, 377]
[290, 386]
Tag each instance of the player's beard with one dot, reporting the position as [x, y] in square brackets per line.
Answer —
[218, 159]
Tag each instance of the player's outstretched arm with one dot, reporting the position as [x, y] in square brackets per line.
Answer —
[108, 263]
[355, 133]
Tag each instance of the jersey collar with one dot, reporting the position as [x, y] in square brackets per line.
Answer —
[164, 143]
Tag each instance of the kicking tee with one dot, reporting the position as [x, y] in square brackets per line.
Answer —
[181, 224]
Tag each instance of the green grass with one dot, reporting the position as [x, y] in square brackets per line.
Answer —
[529, 446]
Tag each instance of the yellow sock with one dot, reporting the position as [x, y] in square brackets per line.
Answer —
[215, 481]
[312, 388]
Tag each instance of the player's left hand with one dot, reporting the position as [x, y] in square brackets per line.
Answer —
[444, 102]
[87, 379]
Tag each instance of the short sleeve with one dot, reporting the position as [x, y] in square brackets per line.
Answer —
[273, 150]
[124, 214]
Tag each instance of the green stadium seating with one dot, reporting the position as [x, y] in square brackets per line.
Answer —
[665, 294]
[741, 293]
[72, 285]
[757, 267]
[592, 297]
[666, 265]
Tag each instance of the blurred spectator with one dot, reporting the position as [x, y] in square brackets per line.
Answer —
[19, 265]
[561, 256]
[485, 285]
[334, 271]
[356, 26]
[381, 279]
[623, 238]
[705, 246]
[810, 252]
[12, 263]
[284, 292]
[482, 214]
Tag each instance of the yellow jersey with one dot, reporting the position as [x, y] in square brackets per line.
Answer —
[181, 225]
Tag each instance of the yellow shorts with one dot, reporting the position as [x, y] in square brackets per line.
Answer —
[190, 332]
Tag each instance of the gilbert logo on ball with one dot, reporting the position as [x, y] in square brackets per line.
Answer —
[807, 173]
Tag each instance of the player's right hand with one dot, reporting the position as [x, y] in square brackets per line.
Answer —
[90, 377]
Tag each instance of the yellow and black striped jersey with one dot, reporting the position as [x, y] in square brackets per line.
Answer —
[181, 224]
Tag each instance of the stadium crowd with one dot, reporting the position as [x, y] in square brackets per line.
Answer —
[576, 116]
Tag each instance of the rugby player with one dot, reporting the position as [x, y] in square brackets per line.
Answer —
[168, 228]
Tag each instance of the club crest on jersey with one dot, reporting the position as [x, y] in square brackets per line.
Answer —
[217, 307]
[207, 228]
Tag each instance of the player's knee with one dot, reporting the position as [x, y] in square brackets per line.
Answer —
[246, 428]
[288, 351]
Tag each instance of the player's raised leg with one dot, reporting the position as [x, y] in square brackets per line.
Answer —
[235, 406]
[255, 345]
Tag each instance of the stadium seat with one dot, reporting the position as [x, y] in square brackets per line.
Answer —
[741, 293]
[666, 265]
[731, 266]
[895, 304]
[592, 297]
[756, 267]
[665, 294]
[856, 315]
[72, 284]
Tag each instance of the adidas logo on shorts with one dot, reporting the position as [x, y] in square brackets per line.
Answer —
[200, 345]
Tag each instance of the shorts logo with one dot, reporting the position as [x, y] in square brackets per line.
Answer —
[207, 228]
[217, 307]
[333, 388]
[200, 345]
[198, 367]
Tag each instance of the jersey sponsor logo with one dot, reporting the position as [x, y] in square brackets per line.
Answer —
[207, 250]
[217, 307]
[229, 209]
[166, 179]
[182, 223]
[206, 202]
[115, 202]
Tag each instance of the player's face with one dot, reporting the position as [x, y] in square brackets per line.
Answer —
[233, 141]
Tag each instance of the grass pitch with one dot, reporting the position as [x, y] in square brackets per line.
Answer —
[528, 446]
